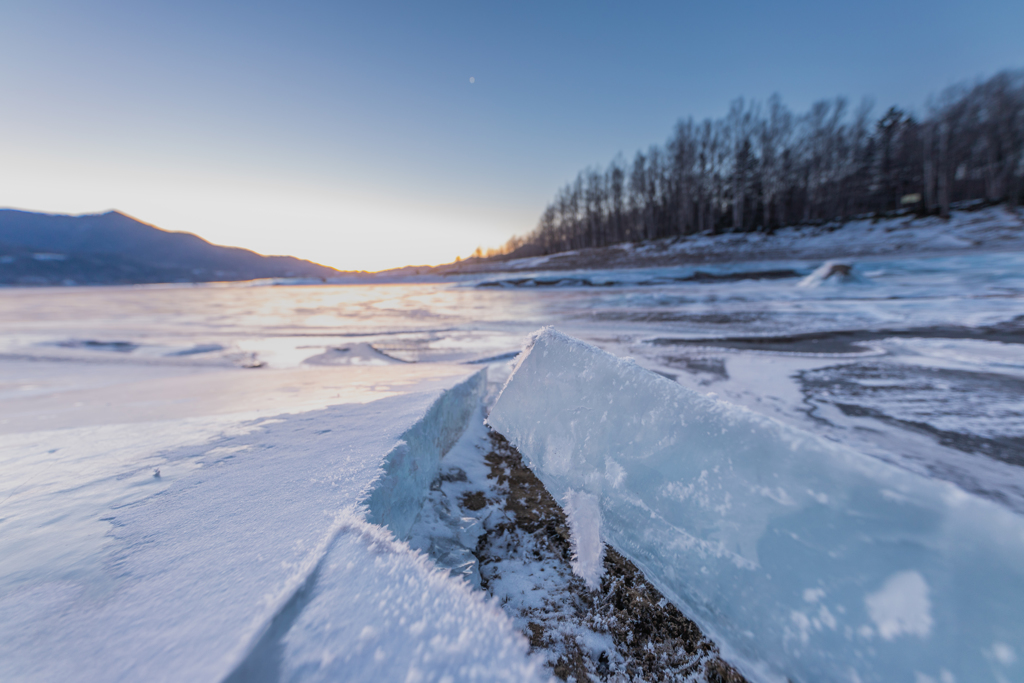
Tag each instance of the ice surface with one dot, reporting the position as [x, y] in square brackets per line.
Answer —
[380, 612]
[801, 558]
[101, 387]
[211, 543]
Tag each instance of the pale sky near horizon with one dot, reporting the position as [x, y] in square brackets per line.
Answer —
[351, 134]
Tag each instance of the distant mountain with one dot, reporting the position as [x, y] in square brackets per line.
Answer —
[112, 248]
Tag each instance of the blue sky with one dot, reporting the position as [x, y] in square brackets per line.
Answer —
[350, 134]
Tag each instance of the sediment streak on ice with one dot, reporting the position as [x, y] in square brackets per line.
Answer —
[801, 558]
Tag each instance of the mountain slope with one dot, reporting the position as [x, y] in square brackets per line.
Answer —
[112, 248]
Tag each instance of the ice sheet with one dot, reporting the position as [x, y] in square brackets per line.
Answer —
[189, 548]
[919, 365]
[801, 558]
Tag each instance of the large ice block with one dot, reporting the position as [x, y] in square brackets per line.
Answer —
[801, 558]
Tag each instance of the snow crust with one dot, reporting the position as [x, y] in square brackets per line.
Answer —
[991, 228]
[801, 558]
[237, 547]
[381, 612]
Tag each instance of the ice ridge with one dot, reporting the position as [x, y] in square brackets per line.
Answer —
[397, 497]
[366, 569]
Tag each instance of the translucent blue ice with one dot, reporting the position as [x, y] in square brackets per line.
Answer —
[801, 558]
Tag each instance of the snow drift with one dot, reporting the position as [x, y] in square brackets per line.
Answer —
[801, 558]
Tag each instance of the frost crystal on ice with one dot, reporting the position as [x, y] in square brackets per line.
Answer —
[584, 515]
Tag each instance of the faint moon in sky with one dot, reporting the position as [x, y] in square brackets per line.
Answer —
[472, 80]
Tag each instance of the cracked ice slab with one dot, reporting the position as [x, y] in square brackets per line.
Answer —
[258, 550]
[799, 557]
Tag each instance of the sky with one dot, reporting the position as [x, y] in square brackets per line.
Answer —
[379, 134]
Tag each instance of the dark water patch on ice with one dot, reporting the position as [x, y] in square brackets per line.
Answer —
[737, 318]
[1007, 449]
[1012, 327]
[197, 349]
[547, 282]
[698, 365]
[493, 359]
[973, 412]
[96, 345]
[696, 276]
[851, 341]
[776, 274]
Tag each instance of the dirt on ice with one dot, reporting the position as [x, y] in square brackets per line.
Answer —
[623, 632]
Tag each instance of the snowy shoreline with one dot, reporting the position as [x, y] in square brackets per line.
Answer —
[991, 229]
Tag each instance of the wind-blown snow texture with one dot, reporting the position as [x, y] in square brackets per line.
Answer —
[259, 561]
[801, 558]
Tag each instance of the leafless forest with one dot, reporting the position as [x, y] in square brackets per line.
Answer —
[763, 166]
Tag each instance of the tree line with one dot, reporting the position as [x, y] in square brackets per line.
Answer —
[762, 167]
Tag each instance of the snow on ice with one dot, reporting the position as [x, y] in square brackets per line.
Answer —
[250, 554]
[801, 558]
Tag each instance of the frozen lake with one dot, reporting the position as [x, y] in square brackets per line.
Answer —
[915, 361]
[918, 362]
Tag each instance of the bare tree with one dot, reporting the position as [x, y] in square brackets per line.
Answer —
[738, 130]
[682, 149]
[819, 166]
[774, 136]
